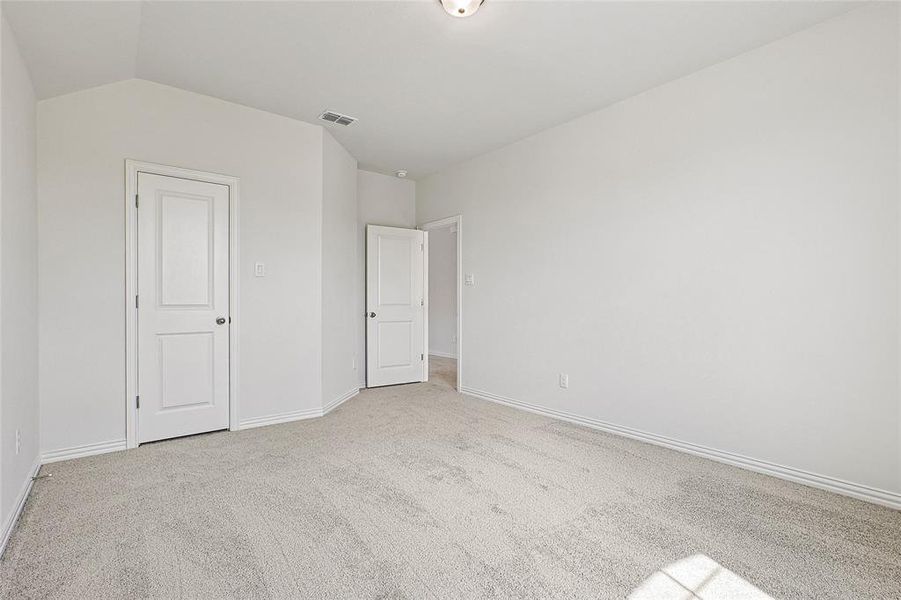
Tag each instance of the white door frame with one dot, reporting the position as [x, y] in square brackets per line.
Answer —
[440, 224]
[132, 168]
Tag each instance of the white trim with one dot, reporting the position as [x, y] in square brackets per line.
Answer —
[442, 354]
[339, 401]
[439, 224]
[18, 506]
[116, 445]
[296, 415]
[839, 486]
[424, 376]
[80, 451]
[132, 168]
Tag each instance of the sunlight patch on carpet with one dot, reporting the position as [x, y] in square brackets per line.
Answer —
[696, 577]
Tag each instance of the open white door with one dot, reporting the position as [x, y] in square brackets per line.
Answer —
[182, 306]
[395, 306]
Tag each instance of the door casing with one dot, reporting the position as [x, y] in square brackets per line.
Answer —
[132, 168]
[440, 223]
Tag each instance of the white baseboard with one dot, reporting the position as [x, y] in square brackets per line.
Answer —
[295, 415]
[339, 401]
[116, 445]
[442, 354]
[839, 486]
[13, 518]
[80, 451]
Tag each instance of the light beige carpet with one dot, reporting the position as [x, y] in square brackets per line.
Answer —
[418, 492]
[443, 372]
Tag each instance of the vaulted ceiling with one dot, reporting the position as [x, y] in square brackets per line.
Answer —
[429, 90]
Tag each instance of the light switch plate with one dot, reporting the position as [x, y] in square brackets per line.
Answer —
[259, 269]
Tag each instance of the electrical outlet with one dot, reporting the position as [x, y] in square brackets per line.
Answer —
[564, 380]
[18, 441]
[470, 279]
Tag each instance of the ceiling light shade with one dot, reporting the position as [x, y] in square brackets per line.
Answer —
[461, 8]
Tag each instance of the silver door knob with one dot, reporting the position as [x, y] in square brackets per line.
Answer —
[372, 315]
[220, 321]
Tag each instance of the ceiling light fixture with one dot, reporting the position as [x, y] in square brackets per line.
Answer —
[461, 8]
[401, 173]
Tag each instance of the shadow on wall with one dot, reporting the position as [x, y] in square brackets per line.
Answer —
[697, 577]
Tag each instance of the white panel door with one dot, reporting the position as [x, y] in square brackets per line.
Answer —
[395, 306]
[182, 304]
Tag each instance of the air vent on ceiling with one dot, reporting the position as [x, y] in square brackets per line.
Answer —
[337, 118]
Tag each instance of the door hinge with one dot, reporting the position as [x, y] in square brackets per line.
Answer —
[422, 247]
[422, 357]
[136, 200]
[422, 302]
[136, 300]
[137, 402]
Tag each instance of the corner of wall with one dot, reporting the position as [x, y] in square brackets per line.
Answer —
[339, 290]
[19, 405]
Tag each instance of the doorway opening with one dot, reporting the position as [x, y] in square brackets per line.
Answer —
[445, 302]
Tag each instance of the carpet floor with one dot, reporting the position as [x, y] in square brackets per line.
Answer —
[415, 491]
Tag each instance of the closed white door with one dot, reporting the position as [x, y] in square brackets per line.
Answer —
[183, 312]
[395, 306]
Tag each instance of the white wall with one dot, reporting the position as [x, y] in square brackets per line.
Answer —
[83, 141]
[339, 273]
[386, 200]
[18, 279]
[715, 260]
[443, 291]
[381, 200]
